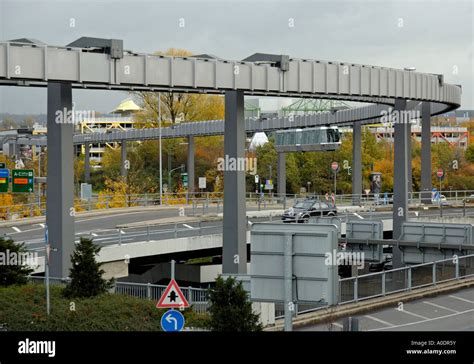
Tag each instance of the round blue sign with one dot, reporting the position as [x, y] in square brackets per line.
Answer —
[172, 320]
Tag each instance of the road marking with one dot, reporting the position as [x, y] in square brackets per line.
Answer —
[411, 313]
[356, 214]
[379, 320]
[42, 225]
[427, 320]
[439, 306]
[94, 234]
[16, 229]
[122, 232]
[189, 227]
[462, 299]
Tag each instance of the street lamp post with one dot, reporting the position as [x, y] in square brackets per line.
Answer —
[169, 174]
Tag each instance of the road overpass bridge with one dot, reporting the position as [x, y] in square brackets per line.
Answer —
[104, 65]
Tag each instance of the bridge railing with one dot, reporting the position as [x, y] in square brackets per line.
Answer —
[404, 279]
[212, 202]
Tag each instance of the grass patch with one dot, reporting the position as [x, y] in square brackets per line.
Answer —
[23, 308]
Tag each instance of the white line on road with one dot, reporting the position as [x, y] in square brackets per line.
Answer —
[16, 229]
[189, 227]
[462, 299]
[423, 321]
[337, 324]
[439, 306]
[379, 320]
[122, 232]
[360, 217]
[411, 313]
[42, 225]
[94, 234]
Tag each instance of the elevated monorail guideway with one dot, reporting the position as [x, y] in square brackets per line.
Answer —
[103, 64]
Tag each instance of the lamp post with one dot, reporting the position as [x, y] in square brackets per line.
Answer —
[169, 174]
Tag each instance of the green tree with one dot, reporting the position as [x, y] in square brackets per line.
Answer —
[9, 123]
[470, 154]
[230, 308]
[13, 273]
[85, 274]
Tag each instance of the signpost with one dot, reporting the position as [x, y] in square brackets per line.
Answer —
[4, 180]
[335, 168]
[440, 175]
[184, 177]
[46, 268]
[202, 182]
[172, 298]
[269, 184]
[22, 181]
[172, 321]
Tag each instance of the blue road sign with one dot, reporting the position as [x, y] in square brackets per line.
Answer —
[172, 321]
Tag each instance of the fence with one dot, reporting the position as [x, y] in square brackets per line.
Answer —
[197, 297]
[212, 202]
[404, 279]
[353, 289]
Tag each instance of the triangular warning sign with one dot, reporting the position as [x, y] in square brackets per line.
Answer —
[173, 297]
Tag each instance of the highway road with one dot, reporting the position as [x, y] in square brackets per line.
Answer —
[103, 228]
[449, 312]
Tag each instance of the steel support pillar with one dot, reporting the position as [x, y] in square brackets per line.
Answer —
[123, 166]
[235, 223]
[190, 164]
[281, 175]
[356, 162]
[60, 187]
[87, 163]
[426, 183]
[400, 177]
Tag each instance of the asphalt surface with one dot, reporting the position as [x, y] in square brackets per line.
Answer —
[450, 312]
[103, 228]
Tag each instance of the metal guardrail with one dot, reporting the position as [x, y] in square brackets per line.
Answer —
[404, 279]
[197, 297]
[207, 202]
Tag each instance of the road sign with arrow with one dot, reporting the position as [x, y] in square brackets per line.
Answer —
[173, 297]
[172, 321]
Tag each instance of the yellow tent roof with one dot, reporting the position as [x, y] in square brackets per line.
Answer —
[127, 105]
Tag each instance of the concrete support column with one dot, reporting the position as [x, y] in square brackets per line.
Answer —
[60, 187]
[281, 175]
[123, 149]
[190, 167]
[426, 183]
[87, 164]
[409, 164]
[235, 223]
[356, 162]
[400, 177]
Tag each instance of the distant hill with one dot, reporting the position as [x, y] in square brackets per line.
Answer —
[40, 118]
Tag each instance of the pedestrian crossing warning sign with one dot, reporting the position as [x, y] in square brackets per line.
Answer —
[173, 297]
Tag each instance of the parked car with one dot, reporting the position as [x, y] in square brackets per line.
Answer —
[304, 209]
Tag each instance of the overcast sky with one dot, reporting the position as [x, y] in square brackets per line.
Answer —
[432, 36]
